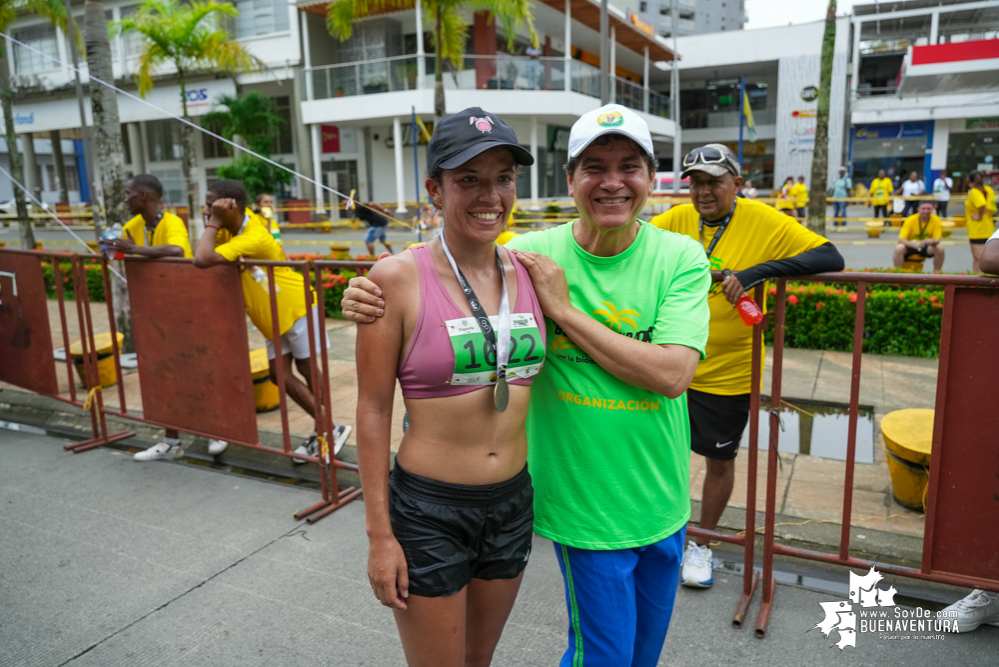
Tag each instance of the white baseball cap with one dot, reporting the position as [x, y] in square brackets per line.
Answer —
[609, 119]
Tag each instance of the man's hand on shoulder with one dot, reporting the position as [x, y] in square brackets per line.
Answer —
[362, 300]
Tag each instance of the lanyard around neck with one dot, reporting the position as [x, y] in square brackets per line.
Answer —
[501, 345]
[722, 226]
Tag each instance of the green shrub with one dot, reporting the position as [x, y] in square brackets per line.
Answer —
[334, 281]
[897, 321]
[95, 280]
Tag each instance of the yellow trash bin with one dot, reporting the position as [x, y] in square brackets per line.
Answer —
[105, 360]
[874, 228]
[265, 392]
[340, 251]
[908, 435]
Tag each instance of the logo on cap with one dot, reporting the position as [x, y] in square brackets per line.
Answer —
[484, 124]
[612, 119]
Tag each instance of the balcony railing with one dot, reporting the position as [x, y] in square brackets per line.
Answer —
[477, 72]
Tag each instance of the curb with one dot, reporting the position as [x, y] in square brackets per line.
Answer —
[65, 420]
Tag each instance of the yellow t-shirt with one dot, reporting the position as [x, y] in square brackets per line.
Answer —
[756, 234]
[980, 229]
[255, 242]
[785, 200]
[170, 230]
[881, 191]
[799, 194]
[913, 230]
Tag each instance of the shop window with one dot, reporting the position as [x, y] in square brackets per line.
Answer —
[282, 140]
[173, 186]
[215, 148]
[163, 139]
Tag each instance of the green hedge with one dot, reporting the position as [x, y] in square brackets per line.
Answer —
[95, 280]
[897, 320]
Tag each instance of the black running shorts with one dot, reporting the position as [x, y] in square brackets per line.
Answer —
[716, 423]
[453, 533]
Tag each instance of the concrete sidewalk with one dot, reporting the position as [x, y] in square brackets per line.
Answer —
[106, 562]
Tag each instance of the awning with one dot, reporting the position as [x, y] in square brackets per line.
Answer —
[319, 8]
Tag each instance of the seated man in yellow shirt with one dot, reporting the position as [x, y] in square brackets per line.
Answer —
[153, 232]
[249, 239]
[920, 237]
[979, 209]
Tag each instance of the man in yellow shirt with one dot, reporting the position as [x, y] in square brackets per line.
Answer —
[799, 193]
[979, 209]
[920, 238]
[153, 232]
[756, 243]
[249, 239]
[881, 191]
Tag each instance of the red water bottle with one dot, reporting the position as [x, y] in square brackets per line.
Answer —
[747, 308]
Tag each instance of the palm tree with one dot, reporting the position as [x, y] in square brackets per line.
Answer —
[190, 38]
[253, 119]
[450, 31]
[55, 12]
[816, 220]
[109, 149]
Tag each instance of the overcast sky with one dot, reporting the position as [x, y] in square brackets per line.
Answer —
[770, 13]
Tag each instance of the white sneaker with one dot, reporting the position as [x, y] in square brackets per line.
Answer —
[340, 433]
[695, 571]
[310, 448]
[216, 447]
[160, 450]
[979, 608]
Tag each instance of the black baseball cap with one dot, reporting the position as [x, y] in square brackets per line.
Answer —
[464, 135]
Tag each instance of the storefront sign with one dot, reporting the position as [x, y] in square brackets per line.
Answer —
[558, 138]
[889, 131]
[642, 25]
[981, 124]
[809, 93]
[748, 147]
[331, 138]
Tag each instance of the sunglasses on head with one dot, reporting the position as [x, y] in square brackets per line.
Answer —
[705, 155]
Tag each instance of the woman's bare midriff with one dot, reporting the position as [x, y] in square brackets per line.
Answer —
[463, 439]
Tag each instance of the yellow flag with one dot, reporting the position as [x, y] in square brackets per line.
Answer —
[424, 132]
[748, 113]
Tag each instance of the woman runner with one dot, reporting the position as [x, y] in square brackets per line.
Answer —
[450, 527]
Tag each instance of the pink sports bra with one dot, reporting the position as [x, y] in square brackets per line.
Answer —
[441, 362]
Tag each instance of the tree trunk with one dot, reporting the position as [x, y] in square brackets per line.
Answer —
[188, 140]
[60, 164]
[439, 108]
[16, 170]
[816, 220]
[109, 154]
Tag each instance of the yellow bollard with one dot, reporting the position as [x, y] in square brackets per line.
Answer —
[874, 228]
[948, 228]
[265, 392]
[105, 360]
[908, 435]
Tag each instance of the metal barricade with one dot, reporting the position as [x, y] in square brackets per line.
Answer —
[983, 309]
[27, 359]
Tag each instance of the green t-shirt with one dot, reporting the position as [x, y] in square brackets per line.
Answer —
[610, 461]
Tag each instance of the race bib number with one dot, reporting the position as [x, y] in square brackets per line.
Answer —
[475, 361]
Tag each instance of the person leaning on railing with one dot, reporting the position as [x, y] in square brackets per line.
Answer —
[153, 232]
[225, 204]
[756, 243]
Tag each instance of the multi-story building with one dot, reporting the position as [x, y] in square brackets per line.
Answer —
[349, 105]
[693, 17]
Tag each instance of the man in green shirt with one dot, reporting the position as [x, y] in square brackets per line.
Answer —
[608, 432]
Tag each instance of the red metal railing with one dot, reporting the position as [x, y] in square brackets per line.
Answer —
[926, 571]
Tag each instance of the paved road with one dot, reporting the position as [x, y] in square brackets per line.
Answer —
[107, 562]
[858, 251]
